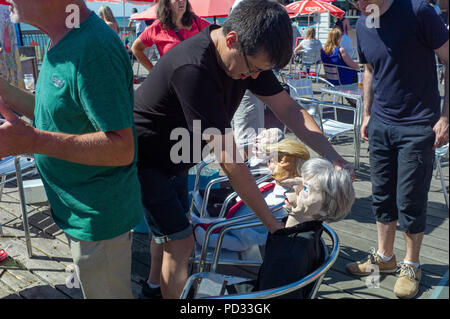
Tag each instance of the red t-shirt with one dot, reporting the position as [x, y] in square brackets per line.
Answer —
[166, 39]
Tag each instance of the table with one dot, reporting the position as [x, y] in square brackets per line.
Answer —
[354, 92]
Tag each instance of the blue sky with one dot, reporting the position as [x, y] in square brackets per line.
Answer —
[117, 8]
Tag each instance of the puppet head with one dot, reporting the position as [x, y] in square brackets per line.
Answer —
[323, 193]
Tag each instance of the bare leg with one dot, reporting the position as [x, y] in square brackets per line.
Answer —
[174, 270]
[413, 244]
[156, 253]
[386, 236]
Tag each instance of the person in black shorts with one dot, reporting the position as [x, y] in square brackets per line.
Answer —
[194, 90]
[403, 122]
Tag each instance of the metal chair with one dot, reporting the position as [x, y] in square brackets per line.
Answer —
[17, 167]
[308, 59]
[218, 281]
[247, 254]
[302, 92]
[440, 154]
[332, 72]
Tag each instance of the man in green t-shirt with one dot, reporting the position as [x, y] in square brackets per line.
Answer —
[83, 140]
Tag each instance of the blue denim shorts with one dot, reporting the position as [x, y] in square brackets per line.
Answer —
[165, 198]
[401, 167]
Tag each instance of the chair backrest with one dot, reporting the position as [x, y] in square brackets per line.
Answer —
[315, 277]
[331, 72]
[300, 86]
[310, 57]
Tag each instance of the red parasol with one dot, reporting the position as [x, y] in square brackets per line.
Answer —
[151, 13]
[306, 7]
[3, 2]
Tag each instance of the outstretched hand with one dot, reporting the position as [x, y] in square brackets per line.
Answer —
[16, 136]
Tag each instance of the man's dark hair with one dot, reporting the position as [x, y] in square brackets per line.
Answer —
[134, 10]
[165, 15]
[262, 25]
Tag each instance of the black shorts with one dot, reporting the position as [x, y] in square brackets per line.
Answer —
[401, 167]
[165, 198]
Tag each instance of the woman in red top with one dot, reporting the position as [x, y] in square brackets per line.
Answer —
[176, 22]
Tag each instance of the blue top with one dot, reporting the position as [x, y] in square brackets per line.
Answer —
[401, 52]
[346, 76]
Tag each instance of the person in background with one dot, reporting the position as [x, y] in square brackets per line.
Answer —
[403, 122]
[176, 22]
[333, 53]
[106, 14]
[140, 25]
[310, 43]
[83, 141]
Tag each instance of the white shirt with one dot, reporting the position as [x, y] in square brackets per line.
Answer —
[346, 43]
[140, 25]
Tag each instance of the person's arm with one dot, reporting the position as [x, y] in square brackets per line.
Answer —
[243, 182]
[303, 125]
[115, 148]
[19, 100]
[441, 127]
[299, 47]
[348, 60]
[367, 99]
[138, 50]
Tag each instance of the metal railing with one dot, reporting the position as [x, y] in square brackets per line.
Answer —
[39, 40]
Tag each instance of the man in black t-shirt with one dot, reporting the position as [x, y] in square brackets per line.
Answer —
[196, 87]
[403, 122]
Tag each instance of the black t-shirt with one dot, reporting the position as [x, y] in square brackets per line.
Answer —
[188, 85]
[401, 52]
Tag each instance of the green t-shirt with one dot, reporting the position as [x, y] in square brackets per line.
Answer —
[86, 85]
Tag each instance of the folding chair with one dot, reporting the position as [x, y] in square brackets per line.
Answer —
[20, 166]
[210, 285]
[302, 92]
[308, 59]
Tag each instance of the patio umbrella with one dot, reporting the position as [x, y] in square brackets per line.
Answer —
[151, 13]
[202, 8]
[3, 2]
[307, 7]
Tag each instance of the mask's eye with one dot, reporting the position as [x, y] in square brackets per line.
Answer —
[305, 189]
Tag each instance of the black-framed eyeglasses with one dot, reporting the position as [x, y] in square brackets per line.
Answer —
[250, 72]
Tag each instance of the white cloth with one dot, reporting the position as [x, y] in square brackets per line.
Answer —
[248, 119]
[140, 25]
[243, 239]
[312, 46]
[346, 43]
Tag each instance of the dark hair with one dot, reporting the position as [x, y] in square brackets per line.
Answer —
[165, 15]
[134, 10]
[262, 25]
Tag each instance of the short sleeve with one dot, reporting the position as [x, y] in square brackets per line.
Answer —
[433, 31]
[147, 36]
[266, 84]
[200, 97]
[105, 90]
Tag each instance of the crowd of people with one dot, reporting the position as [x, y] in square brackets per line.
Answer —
[104, 151]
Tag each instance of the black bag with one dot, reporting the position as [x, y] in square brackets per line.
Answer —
[290, 255]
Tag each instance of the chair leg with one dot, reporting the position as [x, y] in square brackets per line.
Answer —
[444, 188]
[2, 185]
[23, 206]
